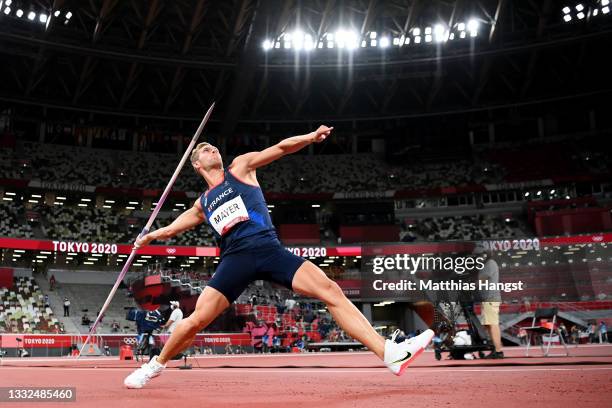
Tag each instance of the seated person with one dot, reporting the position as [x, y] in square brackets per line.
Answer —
[85, 321]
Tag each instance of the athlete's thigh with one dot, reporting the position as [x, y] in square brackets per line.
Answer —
[311, 281]
[277, 264]
[211, 301]
[233, 275]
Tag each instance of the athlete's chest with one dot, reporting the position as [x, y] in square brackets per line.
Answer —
[225, 206]
[220, 195]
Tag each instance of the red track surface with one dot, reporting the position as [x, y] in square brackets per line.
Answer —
[331, 380]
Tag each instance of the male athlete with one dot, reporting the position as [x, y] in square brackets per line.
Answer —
[235, 208]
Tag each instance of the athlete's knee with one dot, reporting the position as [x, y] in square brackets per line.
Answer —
[191, 324]
[330, 292]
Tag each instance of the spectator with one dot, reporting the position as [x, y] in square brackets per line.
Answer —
[66, 306]
[115, 326]
[574, 334]
[603, 332]
[522, 335]
[491, 302]
[591, 332]
[563, 331]
[52, 282]
[85, 321]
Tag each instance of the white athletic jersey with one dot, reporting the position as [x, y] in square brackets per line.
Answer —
[176, 316]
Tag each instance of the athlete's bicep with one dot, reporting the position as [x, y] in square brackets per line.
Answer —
[198, 207]
[254, 160]
[187, 220]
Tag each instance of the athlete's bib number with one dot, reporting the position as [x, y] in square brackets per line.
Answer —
[228, 214]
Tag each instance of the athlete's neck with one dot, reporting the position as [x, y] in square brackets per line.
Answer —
[213, 176]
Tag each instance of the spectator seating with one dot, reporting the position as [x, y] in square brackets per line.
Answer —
[22, 309]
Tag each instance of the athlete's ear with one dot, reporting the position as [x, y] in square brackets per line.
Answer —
[196, 166]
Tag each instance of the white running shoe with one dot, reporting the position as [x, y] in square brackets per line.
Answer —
[399, 355]
[144, 374]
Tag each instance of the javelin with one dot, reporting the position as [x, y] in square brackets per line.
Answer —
[145, 230]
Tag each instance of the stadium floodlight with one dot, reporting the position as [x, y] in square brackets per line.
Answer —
[566, 10]
[373, 35]
[567, 18]
[308, 44]
[462, 34]
[57, 13]
[605, 10]
[287, 45]
[267, 45]
[373, 43]
[407, 40]
[472, 25]
[440, 33]
[580, 15]
[396, 41]
[417, 39]
[31, 16]
[42, 18]
[298, 39]
[451, 36]
[416, 31]
[363, 43]
[461, 26]
[7, 11]
[427, 30]
[579, 7]
[384, 42]
[8, 2]
[277, 44]
[68, 15]
[605, 2]
[320, 44]
[330, 44]
[19, 13]
[427, 38]
[595, 12]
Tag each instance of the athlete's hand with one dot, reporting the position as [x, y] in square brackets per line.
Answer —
[321, 133]
[144, 240]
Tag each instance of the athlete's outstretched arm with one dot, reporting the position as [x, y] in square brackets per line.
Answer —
[290, 145]
[186, 221]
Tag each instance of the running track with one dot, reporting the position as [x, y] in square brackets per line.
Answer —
[330, 380]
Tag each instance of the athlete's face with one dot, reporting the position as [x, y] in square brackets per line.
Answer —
[209, 157]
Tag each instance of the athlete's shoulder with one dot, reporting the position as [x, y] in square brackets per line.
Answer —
[242, 171]
[243, 160]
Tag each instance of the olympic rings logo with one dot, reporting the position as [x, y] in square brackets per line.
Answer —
[171, 250]
[130, 340]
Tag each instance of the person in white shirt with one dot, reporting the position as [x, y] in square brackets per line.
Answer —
[175, 317]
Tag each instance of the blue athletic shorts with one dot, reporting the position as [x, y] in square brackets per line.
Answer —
[237, 270]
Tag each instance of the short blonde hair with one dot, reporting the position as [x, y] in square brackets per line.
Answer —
[196, 152]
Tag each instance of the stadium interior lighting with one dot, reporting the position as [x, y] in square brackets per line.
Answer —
[19, 13]
[42, 18]
[68, 15]
[31, 16]
[384, 42]
[267, 45]
[57, 13]
[7, 11]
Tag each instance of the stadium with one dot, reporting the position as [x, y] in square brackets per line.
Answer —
[434, 179]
